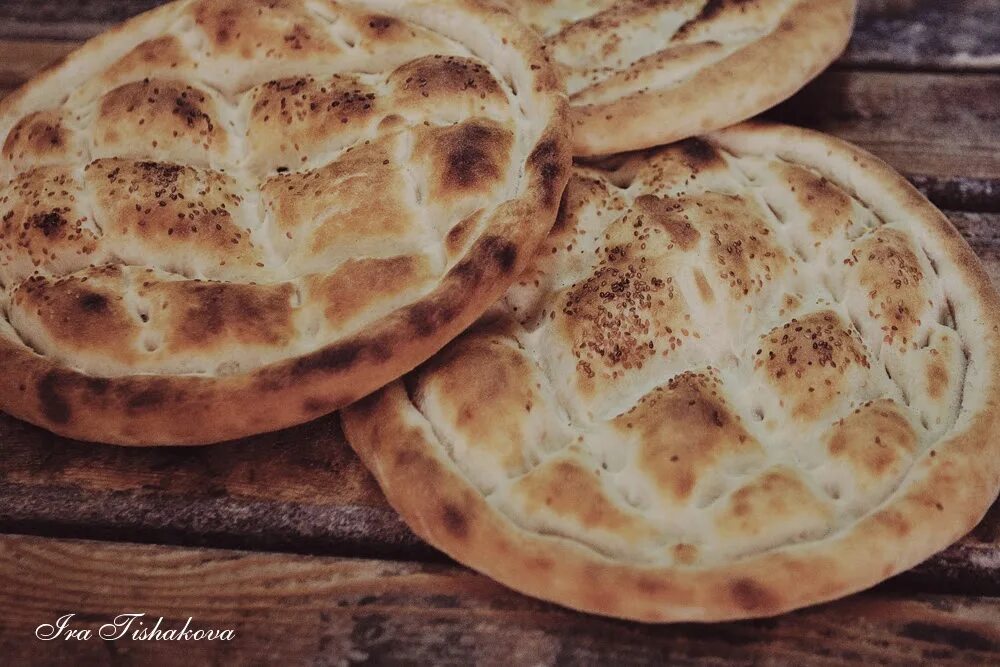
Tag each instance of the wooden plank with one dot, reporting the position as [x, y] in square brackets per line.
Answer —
[915, 34]
[926, 35]
[301, 489]
[21, 59]
[950, 151]
[58, 19]
[330, 611]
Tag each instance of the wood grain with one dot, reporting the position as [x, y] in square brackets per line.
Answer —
[950, 151]
[333, 611]
[301, 489]
[21, 59]
[914, 34]
[926, 35]
[57, 19]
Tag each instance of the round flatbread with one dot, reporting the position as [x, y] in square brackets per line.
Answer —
[227, 217]
[746, 373]
[642, 73]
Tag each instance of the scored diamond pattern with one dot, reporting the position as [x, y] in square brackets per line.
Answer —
[608, 47]
[207, 200]
[714, 355]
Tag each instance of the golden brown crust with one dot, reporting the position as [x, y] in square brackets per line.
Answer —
[685, 428]
[219, 338]
[642, 74]
[787, 511]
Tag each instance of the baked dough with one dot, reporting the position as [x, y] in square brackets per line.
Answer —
[226, 217]
[642, 73]
[746, 373]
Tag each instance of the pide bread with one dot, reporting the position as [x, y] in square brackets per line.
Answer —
[642, 73]
[225, 217]
[747, 372]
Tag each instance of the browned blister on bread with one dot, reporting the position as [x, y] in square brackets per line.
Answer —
[227, 217]
[643, 73]
[745, 373]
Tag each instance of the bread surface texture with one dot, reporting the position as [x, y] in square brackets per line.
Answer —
[228, 217]
[642, 73]
[747, 372]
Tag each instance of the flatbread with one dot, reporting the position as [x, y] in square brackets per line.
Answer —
[642, 73]
[747, 372]
[227, 217]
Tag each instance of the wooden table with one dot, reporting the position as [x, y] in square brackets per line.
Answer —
[286, 539]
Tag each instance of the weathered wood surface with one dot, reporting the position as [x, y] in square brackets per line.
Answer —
[951, 151]
[914, 34]
[301, 489]
[926, 34]
[62, 20]
[333, 611]
[22, 58]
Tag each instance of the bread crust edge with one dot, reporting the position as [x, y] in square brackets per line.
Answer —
[150, 410]
[947, 492]
[738, 87]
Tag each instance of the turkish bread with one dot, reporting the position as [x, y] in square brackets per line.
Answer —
[747, 372]
[641, 73]
[227, 217]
